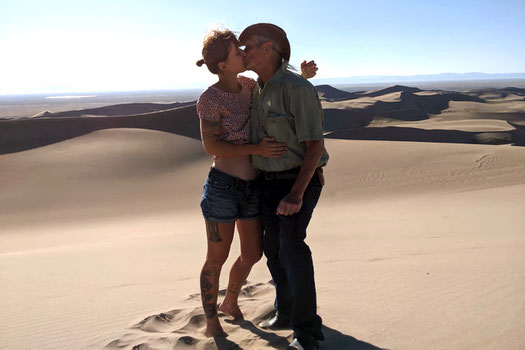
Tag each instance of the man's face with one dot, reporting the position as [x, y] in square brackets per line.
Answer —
[254, 52]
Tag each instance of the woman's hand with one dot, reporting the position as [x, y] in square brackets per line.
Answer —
[308, 69]
[270, 149]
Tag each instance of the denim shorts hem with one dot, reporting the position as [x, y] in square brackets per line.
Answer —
[250, 218]
[221, 220]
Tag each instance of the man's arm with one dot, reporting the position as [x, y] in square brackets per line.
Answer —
[210, 132]
[293, 201]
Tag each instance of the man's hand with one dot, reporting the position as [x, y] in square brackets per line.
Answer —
[308, 69]
[289, 205]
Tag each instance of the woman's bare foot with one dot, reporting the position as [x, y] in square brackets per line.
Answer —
[214, 329]
[231, 309]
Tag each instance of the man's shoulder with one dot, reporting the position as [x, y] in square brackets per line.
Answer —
[296, 82]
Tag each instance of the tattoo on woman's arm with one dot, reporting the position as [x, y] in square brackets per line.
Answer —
[210, 129]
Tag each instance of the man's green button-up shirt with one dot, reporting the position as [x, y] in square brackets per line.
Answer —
[287, 108]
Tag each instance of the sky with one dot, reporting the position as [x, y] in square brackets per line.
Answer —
[117, 45]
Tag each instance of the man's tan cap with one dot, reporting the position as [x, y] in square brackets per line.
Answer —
[270, 31]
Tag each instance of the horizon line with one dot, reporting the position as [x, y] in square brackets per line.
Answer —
[314, 80]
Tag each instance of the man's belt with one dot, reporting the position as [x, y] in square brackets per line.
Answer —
[281, 175]
[290, 174]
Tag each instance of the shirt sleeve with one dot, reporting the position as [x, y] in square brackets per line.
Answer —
[207, 109]
[307, 111]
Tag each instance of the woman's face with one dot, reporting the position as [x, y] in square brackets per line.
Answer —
[235, 60]
[256, 51]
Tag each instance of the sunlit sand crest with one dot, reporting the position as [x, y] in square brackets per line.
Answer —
[65, 97]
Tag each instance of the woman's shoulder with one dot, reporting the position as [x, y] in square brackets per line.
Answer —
[245, 81]
[207, 101]
[208, 96]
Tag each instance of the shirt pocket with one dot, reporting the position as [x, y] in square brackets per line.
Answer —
[278, 126]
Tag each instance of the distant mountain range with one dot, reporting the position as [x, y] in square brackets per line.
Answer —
[415, 78]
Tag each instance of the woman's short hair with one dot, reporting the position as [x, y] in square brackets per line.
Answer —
[216, 48]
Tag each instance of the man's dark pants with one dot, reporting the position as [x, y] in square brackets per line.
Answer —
[289, 257]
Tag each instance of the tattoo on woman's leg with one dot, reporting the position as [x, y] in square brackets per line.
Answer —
[210, 310]
[212, 229]
[234, 289]
[209, 303]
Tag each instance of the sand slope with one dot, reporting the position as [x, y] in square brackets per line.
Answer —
[416, 245]
[21, 135]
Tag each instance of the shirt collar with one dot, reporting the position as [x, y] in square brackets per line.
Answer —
[278, 77]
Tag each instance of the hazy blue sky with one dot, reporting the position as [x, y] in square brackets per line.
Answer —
[98, 45]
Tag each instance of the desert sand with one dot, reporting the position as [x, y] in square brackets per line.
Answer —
[418, 239]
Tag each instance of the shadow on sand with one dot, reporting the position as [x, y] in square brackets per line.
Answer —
[334, 340]
[274, 340]
[396, 133]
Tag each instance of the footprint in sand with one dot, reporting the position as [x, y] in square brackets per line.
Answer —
[183, 328]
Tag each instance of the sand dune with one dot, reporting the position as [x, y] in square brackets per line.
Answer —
[492, 93]
[118, 110]
[396, 109]
[120, 171]
[327, 92]
[407, 236]
[401, 102]
[341, 119]
[20, 135]
[401, 133]
[43, 114]
[184, 327]
[343, 110]
[416, 245]
[388, 90]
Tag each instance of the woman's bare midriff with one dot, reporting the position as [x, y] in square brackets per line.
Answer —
[240, 167]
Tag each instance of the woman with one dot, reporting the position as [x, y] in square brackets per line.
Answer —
[230, 195]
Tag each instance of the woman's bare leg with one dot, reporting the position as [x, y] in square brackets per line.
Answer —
[250, 234]
[219, 238]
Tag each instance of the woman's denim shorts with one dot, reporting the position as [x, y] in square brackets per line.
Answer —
[226, 198]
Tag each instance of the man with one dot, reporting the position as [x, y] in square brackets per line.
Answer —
[286, 107]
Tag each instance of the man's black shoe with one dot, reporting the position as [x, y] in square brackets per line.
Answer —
[277, 322]
[296, 345]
